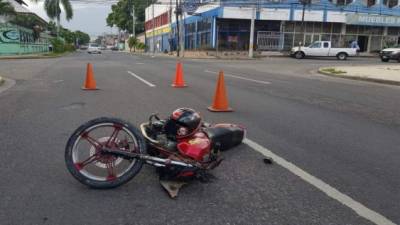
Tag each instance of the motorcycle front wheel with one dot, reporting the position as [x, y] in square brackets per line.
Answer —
[95, 169]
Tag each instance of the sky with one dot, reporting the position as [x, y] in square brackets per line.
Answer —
[88, 17]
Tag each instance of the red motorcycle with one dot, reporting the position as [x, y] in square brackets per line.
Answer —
[108, 152]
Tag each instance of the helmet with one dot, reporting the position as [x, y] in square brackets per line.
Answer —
[183, 122]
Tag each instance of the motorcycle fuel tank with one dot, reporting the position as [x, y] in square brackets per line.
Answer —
[195, 147]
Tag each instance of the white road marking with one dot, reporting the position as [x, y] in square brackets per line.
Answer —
[346, 200]
[141, 79]
[139, 63]
[239, 77]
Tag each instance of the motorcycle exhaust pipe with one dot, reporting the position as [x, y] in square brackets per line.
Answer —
[149, 159]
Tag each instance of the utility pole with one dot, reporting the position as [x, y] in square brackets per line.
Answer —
[133, 21]
[303, 30]
[182, 48]
[251, 44]
[170, 26]
[154, 26]
[178, 11]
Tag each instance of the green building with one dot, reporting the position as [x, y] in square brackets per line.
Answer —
[16, 40]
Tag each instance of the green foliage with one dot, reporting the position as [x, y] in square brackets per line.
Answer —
[6, 8]
[83, 38]
[140, 46]
[53, 9]
[333, 71]
[58, 45]
[69, 36]
[121, 17]
[132, 42]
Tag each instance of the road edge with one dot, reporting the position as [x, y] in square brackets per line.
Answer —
[34, 56]
[381, 81]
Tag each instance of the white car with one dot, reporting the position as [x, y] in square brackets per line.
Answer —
[322, 48]
[392, 53]
[94, 48]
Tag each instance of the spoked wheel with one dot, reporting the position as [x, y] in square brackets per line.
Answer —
[89, 165]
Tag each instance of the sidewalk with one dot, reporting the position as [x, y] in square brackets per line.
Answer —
[387, 74]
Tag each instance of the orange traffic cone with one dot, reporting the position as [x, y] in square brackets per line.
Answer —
[179, 81]
[90, 82]
[220, 103]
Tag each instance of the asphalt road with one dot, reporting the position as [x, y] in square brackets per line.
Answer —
[343, 132]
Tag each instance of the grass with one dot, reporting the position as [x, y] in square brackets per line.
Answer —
[333, 71]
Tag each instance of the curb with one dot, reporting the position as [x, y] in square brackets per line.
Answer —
[33, 56]
[390, 82]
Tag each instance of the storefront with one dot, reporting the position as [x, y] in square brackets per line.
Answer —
[278, 25]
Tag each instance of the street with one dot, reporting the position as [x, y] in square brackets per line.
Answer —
[345, 133]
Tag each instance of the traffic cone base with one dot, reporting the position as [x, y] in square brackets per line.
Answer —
[90, 82]
[212, 109]
[90, 89]
[179, 86]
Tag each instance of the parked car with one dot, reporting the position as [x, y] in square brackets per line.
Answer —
[83, 47]
[322, 49]
[390, 53]
[94, 48]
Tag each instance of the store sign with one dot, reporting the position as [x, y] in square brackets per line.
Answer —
[373, 20]
[9, 35]
[159, 31]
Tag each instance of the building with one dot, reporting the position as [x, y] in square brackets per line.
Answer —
[225, 24]
[16, 39]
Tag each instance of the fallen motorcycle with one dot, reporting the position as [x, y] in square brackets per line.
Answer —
[107, 152]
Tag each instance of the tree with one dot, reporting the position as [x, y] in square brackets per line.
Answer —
[121, 16]
[132, 42]
[83, 38]
[53, 10]
[6, 9]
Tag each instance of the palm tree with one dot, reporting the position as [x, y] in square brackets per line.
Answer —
[6, 9]
[53, 10]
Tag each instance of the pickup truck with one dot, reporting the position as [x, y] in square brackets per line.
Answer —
[322, 48]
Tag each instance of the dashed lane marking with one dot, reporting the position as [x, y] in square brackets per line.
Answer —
[239, 77]
[141, 79]
[332, 192]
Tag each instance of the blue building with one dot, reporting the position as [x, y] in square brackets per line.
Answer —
[279, 24]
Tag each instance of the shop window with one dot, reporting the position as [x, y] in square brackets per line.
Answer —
[390, 3]
[336, 28]
[341, 2]
[369, 3]
[351, 29]
[393, 30]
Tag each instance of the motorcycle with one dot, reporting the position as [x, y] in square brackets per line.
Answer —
[108, 152]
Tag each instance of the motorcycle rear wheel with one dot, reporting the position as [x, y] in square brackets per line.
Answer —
[101, 171]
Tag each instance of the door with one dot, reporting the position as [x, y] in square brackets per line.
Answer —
[314, 49]
[363, 43]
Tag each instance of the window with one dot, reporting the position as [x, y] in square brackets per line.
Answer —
[315, 45]
[326, 45]
[390, 3]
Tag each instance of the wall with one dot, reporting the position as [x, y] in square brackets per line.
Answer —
[18, 40]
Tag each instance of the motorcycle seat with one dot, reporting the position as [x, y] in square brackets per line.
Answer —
[224, 137]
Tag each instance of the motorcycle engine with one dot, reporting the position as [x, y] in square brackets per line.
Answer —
[197, 147]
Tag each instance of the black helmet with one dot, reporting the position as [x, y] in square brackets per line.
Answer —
[182, 123]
